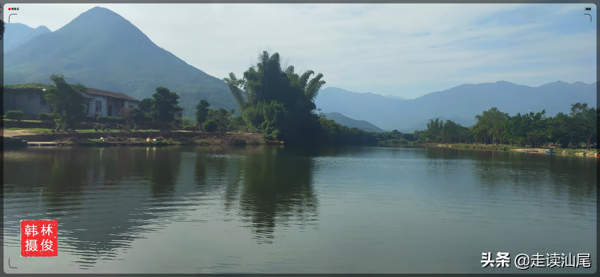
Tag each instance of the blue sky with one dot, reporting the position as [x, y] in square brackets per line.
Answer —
[391, 49]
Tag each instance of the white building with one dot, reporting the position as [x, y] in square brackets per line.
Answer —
[106, 103]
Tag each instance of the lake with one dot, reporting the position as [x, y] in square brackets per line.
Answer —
[290, 210]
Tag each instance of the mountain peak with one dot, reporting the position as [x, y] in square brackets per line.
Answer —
[555, 83]
[43, 29]
[99, 19]
[100, 10]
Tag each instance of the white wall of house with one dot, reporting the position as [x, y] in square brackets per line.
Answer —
[104, 107]
[131, 104]
[30, 101]
[93, 104]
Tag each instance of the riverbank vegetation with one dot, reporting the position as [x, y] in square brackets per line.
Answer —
[278, 103]
[195, 139]
[532, 129]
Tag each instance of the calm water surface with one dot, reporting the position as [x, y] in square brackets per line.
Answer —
[285, 210]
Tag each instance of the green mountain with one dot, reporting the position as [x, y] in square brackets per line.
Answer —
[352, 123]
[102, 50]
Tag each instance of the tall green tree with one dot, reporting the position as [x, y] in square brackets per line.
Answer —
[221, 117]
[434, 129]
[165, 105]
[585, 119]
[267, 90]
[561, 130]
[146, 105]
[67, 101]
[490, 125]
[202, 111]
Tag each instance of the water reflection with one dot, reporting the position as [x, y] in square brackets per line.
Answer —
[105, 198]
[395, 205]
[572, 179]
[276, 188]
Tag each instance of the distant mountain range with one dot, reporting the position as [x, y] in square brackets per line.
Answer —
[352, 123]
[395, 97]
[102, 50]
[460, 104]
[16, 34]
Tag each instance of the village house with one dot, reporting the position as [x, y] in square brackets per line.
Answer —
[100, 102]
[106, 103]
[27, 100]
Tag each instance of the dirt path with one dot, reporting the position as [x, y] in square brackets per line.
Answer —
[15, 133]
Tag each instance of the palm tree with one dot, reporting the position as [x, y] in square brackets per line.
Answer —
[310, 87]
[267, 81]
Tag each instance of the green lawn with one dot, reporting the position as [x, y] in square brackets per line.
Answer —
[37, 130]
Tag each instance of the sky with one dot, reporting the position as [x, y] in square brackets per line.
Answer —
[404, 50]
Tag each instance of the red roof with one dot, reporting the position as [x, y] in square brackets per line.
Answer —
[111, 94]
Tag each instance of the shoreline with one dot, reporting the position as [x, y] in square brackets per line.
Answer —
[151, 138]
[530, 150]
[14, 139]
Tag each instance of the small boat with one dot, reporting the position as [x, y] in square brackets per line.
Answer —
[597, 155]
[550, 152]
[274, 142]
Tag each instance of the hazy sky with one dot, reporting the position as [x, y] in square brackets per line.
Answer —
[395, 49]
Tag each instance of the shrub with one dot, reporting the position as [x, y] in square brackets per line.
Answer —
[252, 116]
[126, 113]
[46, 117]
[140, 117]
[110, 119]
[14, 115]
[178, 121]
[186, 121]
[210, 125]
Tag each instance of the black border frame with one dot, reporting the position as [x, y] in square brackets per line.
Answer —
[592, 2]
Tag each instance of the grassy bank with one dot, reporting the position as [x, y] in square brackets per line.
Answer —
[136, 138]
[49, 131]
[238, 139]
[534, 150]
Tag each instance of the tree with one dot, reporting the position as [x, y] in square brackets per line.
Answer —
[451, 131]
[266, 88]
[220, 117]
[146, 105]
[67, 101]
[140, 117]
[434, 128]
[490, 125]
[202, 111]
[210, 125]
[585, 121]
[514, 130]
[165, 105]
